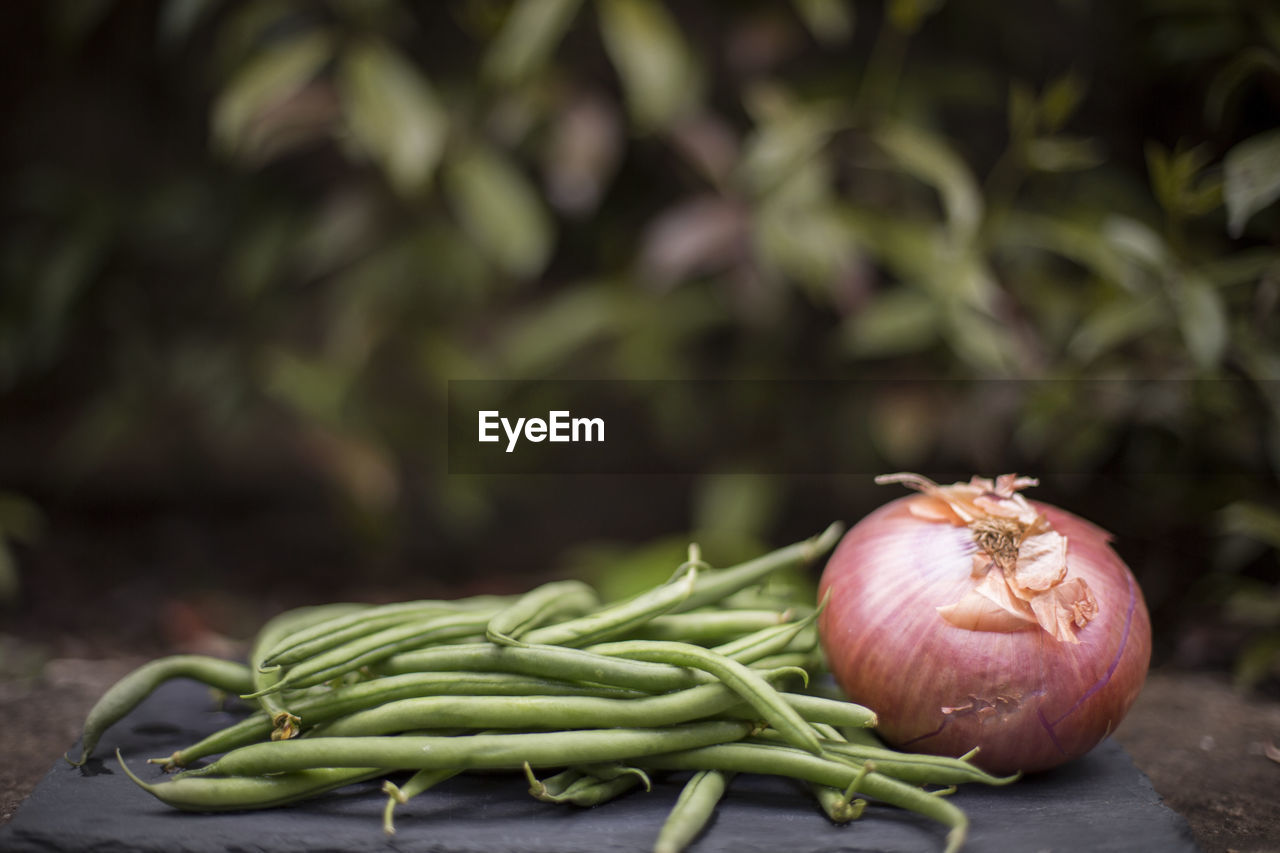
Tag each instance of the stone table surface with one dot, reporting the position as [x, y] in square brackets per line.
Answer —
[1101, 802]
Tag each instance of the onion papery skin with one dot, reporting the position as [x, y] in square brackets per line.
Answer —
[1028, 701]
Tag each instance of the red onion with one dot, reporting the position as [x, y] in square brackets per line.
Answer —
[967, 616]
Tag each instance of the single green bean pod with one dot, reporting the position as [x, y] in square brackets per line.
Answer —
[692, 811]
[127, 693]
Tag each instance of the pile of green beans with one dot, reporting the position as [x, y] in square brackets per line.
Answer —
[705, 673]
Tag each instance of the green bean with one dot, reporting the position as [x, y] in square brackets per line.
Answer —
[331, 704]
[319, 637]
[819, 710]
[419, 782]
[541, 712]
[745, 682]
[693, 810]
[830, 732]
[616, 619]
[471, 752]
[781, 760]
[274, 631]
[538, 607]
[549, 662]
[917, 769]
[552, 785]
[859, 735]
[558, 784]
[708, 627]
[294, 650]
[377, 646]
[585, 789]
[127, 693]
[714, 586]
[839, 805]
[836, 803]
[216, 794]
[810, 661]
[772, 640]
[614, 769]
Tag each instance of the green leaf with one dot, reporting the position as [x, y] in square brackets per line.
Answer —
[1138, 243]
[659, 73]
[1114, 325]
[1254, 520]
[394, 115]
[811, 243]
[1060, 100]
[544, 338]
[931, 160]
[980, 340]
[529, 36]
[1251, 178]
[1245, 267]
[895, 322]
[783, 145]
[830, 21]
[20, 519]
[273, 75]
[315, 388]
[909, 248]
[1174, 180]
[1024, 111]
[1227, 82]
[729, 507]
[500, 210]
[1203, 320]
[1081, 242]
[907, 16]
[1064, 154]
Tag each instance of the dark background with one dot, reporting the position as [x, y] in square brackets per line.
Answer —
[246, 247]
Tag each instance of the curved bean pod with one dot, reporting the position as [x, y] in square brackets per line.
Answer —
[694, 807]
[538, 607]
[618, 618]
[470, 752]
[260, 792]
[294, 650]
[540, 712]
[614, 769]
[586, 789]
[322, 636]
[836, 803]
[377, 646]
[274, 631]
[713, 586]
[548, 662]
[817, 710]
[330, 705]
[419, 782]
[745, 682]
[772, 640]
[918, 769]
[709, 627]
[788, 761]
[125, 695]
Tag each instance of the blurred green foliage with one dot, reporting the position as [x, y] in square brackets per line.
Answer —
[287, 224]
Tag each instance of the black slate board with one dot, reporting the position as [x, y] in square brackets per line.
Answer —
[1098, 803]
